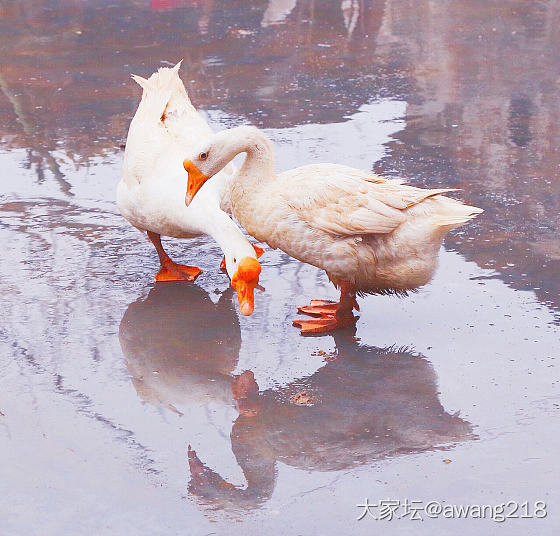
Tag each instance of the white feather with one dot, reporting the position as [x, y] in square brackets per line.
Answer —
[151, 193]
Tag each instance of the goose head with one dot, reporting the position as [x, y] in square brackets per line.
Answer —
[244, 274]
[213, 154]
[196, 176]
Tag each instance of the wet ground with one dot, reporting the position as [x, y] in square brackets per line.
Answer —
[449, 395]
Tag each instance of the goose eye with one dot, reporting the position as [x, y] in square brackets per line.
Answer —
[234, 260]
[203, 156]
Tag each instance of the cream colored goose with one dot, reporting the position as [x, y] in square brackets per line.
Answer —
[151, 192]
[370, 234]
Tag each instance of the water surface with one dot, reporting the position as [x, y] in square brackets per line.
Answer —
[107, 378]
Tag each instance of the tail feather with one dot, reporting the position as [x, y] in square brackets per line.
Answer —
[162, 79]
[142, 82]
[162, 90]
[460, 215]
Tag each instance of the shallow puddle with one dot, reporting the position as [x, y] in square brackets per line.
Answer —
[117, 413]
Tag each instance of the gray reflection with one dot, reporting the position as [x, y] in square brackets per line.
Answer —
[366, 404]
[180, 347]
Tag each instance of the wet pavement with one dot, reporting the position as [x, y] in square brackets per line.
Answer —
[117, 413]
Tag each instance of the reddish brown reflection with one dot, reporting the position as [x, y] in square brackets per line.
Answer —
[482, 107]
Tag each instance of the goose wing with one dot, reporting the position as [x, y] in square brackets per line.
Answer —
[344, 201]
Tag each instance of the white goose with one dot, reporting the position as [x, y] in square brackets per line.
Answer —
[151, 192]
[370, 234]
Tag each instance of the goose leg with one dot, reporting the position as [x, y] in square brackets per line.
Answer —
[171, 271]
[259, 251]
[330, 315]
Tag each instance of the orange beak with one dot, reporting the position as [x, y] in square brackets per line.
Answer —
[196, 180]
[244, 281]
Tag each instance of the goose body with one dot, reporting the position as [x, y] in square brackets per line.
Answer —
[153, 178]
[370, 234]
[151, 192]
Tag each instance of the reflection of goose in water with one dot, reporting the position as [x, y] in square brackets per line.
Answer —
[368, 404]
[180, 347]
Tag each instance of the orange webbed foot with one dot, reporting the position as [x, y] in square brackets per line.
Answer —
[324, 324]
[171, 271]
[319, 308]
[330, 308]
[330, 315]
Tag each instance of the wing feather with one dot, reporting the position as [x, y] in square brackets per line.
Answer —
[344, 201]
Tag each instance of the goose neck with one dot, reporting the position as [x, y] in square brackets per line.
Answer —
[259, 164]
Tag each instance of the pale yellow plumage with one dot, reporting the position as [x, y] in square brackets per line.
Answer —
[379, 234]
